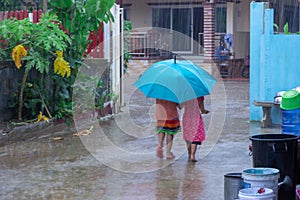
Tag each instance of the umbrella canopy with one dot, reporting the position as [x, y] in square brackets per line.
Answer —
[176, 81]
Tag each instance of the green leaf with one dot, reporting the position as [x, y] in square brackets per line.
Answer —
[61, 4]
[276, 27]
[286, 28]
[64, 93]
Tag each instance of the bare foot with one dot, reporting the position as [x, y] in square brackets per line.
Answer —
[171, 156]
[159, 152]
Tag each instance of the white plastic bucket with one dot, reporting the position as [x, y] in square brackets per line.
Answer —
[262, 177]
[253, 194]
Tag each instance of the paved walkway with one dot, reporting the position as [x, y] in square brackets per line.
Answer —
[117, 160]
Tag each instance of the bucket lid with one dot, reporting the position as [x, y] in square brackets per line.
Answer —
[273, 137]
[290, 100]
[290, 94]
[256, 192]
[259, 171]
[233, 175]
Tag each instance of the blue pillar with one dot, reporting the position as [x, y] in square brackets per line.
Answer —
[267, 58]
[257, 29]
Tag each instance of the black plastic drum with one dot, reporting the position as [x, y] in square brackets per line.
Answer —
[278, 151]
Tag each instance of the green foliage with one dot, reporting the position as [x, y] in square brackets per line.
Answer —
[127, 30]
[286, 28]
[41, 40]
[9, 4]
[85, 91]
[276, 27]
[32, 100]
[79, 19]
[90, 92]
[50, 36]
[39, 63]
[14, 32]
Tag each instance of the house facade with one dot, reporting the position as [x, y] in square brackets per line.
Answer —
[203, 22]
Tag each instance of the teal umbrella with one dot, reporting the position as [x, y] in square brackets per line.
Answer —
[176, 81]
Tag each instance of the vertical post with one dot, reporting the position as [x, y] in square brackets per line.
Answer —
[25, 13]
[34, 16]
[257, 30]
[45, 6]
[101, 46]
[11, 14]
[122, 99]
[1, 15]
[94, 45]
[209, 31]
[39, 15]
[17, 15]
[22, 14]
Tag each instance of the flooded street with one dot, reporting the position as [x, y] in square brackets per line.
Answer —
[117, 160]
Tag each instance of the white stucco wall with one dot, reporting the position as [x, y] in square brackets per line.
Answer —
[238, 23]
[140, 13]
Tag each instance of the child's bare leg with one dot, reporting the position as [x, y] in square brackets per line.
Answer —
[188, 145]
[161, 137]
[169, 154]
[193, 152]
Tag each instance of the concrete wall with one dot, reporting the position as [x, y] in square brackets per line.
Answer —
[10, 78]
[274, 60]
[140, 14]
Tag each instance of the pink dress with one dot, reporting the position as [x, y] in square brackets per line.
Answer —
[192, 125]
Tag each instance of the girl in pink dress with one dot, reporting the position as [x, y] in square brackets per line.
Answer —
[193, 126]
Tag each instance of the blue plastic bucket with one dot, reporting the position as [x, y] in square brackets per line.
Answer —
[291, 122]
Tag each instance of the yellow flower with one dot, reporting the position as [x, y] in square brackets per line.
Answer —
[42, 117]
[61, 67]
[18, 52]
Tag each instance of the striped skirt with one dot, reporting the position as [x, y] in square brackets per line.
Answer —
[168, 126]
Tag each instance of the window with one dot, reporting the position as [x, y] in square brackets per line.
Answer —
[220, 20]
[161, 17]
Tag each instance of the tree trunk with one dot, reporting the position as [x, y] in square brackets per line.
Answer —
[45, 6]
[21, 95]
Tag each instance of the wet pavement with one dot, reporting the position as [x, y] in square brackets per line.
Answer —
[116, 160]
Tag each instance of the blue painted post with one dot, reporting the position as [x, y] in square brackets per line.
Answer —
[274, 60]
[266, 57]
[257, 29]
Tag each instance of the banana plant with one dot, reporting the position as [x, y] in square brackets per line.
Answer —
[79, 18]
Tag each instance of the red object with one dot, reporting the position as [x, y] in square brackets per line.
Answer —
[22, 13]
[261, 190]
[17, 15]
[95, 48]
